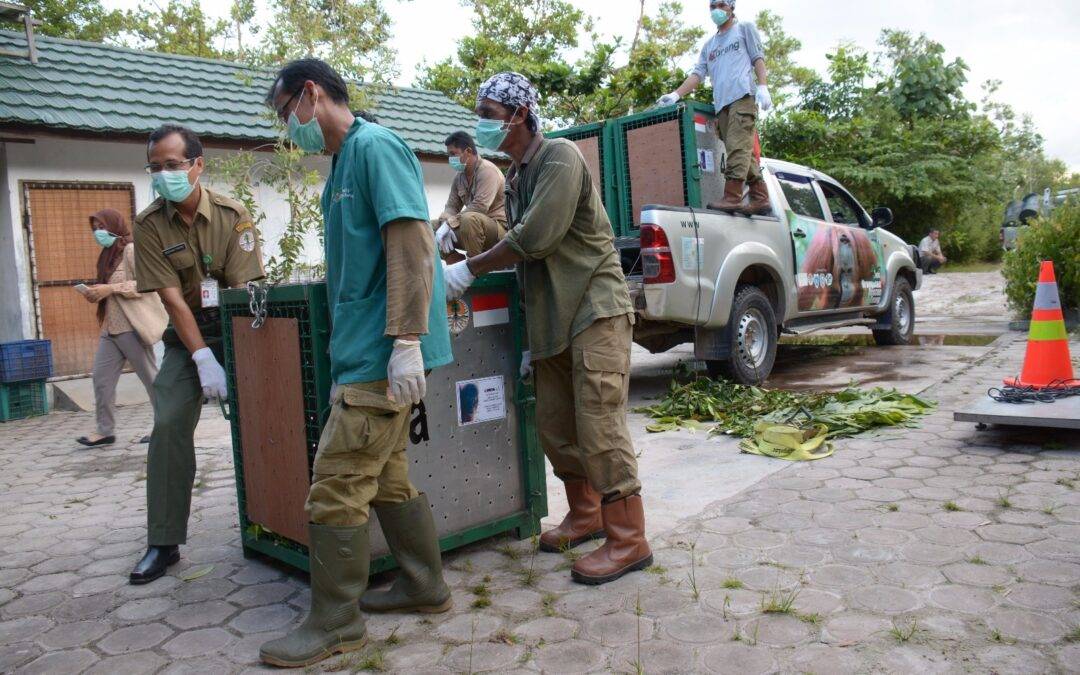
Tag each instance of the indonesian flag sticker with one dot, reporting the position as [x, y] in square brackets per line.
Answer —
[490, 309]
[701, 123]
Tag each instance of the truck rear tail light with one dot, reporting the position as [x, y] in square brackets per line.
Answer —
[657, 265]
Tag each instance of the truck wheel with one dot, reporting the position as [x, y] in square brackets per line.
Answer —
[901, 317]
[753, 339]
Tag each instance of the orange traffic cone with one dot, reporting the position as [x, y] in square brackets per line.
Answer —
[1046, 363]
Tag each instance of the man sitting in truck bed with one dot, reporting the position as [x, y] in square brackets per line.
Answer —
[733, 59]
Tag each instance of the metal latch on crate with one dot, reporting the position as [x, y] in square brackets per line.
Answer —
[257, 296]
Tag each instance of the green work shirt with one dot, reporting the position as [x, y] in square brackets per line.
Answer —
[571, 271]
[374, 180]
[221, 242]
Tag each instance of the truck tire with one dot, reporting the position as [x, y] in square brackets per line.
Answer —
[901, 317]
[753, 339]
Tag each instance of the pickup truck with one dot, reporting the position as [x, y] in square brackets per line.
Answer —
[732, 284]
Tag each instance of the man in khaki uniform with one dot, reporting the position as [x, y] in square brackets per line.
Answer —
[580, 324]
[474, 219]
[189, 243]
[388, 311]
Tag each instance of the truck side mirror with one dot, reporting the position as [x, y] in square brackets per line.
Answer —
[881, 216]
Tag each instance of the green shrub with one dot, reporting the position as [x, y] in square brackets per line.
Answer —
[975, 236]
[1055, 238]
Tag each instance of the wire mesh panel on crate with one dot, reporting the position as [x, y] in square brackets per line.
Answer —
[595, 142]
[473, 444]
[669, 156]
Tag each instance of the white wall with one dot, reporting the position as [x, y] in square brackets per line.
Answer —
[57, 159]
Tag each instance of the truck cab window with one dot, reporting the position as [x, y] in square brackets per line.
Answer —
[843, 208]
[800, 195]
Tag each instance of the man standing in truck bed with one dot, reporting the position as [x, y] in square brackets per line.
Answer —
[733, 59]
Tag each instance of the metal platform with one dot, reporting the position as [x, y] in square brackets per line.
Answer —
[1061, 414]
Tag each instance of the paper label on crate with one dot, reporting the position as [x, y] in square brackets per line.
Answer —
[481, 400]
[691, 253]
[707, 161]
[701, 123]
[490, 309]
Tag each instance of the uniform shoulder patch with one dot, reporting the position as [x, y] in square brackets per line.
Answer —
[246, 240]
[244, 224]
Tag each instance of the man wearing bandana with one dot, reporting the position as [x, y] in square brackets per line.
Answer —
[734, 61]
[580, 325]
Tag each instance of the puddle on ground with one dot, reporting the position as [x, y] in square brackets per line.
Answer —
[858, 340]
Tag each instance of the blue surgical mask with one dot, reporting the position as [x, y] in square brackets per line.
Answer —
[307, 136]
[456, 164]
[172, 185]
[490, 134]
[104, 238]
[719, 17]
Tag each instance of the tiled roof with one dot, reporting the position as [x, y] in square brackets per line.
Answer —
[86, 86]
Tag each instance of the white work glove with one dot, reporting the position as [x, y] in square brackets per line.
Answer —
[445, 237]
[669, 99]
[405, 372]
[526, 365]
[764, 99]
[458, 278]
[211, 374]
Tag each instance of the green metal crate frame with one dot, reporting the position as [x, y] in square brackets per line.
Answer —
[608, 165]
[308, 304]
[23, 399]
[692, 174]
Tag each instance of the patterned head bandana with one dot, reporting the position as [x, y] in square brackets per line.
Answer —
[730, 3]
[513, 90]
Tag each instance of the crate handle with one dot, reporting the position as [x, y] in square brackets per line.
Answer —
[226, 413]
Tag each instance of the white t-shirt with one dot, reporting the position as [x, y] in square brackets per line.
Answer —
[728, 60]
[930, 245]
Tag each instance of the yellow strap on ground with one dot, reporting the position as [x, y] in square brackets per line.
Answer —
[784, 441]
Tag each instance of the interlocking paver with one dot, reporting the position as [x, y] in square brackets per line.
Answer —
[134, 638]
[73, 661]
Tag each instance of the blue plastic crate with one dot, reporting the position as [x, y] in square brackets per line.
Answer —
[25, 360]
[19, 400]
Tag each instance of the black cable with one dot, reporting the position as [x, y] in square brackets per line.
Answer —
[1056, 389]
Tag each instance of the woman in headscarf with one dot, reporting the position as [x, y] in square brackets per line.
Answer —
[131, 323]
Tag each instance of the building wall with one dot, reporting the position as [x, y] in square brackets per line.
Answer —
[71, 160]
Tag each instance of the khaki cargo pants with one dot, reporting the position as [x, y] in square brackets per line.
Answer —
[476, 232]
[735, 127]
[581, 409]
[361, 458]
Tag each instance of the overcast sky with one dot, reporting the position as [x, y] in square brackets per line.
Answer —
[1032, 47]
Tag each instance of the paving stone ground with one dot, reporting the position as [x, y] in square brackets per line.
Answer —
[937, 549]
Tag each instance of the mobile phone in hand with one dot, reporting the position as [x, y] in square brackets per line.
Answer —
[82, 288]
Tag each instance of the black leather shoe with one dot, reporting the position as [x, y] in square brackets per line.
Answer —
[154, 563]
[104, 440]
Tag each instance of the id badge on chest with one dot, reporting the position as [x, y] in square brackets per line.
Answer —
[209, 292]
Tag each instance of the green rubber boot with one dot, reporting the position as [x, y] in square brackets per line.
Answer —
[339, 574]
[410, 531]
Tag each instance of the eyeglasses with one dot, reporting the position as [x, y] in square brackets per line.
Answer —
[281, 111]
[168, 166]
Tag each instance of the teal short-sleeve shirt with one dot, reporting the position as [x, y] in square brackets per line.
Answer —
[374, 180]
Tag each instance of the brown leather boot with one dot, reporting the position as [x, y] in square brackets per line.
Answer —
[625, 550]
[732, 200]
[581, 524]
[759, 200]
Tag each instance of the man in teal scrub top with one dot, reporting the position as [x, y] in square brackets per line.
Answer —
[387, 304]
